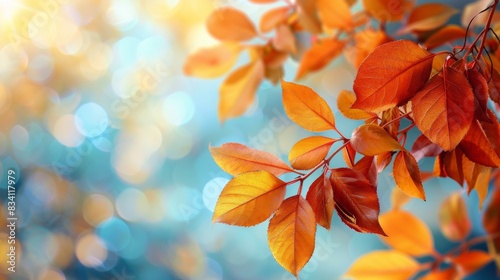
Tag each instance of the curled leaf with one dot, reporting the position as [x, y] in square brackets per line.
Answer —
[320, 197]
[407, 175]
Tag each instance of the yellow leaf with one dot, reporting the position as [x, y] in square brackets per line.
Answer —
[378, 265]
[236, 158]
[344, 102]
[453, 218]
[249, 199]
[406, 233]
[335, 14]
[237, 91]
[318, 56]
[306, 108]
[407, 175]
[371, 140]
[212, 62]
[229, 24]
[309, 152]
[291, 234]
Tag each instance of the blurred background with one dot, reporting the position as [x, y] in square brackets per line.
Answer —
[109, 142]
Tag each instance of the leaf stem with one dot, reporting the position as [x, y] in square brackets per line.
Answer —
[396, 119]
[486, 29]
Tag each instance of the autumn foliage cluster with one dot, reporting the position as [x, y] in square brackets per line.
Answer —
[451, 97]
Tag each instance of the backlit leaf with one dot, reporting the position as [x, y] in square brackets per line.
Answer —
[423, 147]
[406, 233]
[356, 200]
[318, 56]
[453, 218]
[388, 10]
[291, 234]
[383, 160]
[344, 103]
[371, 140]
[306, 108]
[212, 62]
[383, 265]
[391, 75]
[407, 175]
[273, 18]
[236, 158]
[335, 14]
[238, 90]
[320, 197]
[444, 35]
[229, 24]
[445, 274]
[309, 152]
[471, 261]
[249, 199]
[443, 109]
[449, 164]
[349, 154]
[428, 16]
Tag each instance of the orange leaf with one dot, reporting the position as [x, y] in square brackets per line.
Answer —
[212, 62]
[388, 10]
[263, 1]
[236, 158]
[320, 197]
[391, 75]
[444, 35]
[453, 218]
[356, 200]
[480, 89]
[428, 16]
[477, 177]
[273, 18]
[306, 108]
[335, 14]
[318, 56]
[309, 152]
[398, 198]
[471, 261]
[406, 233]
[491, 215]
[308, 15]
[349, 154]
[237, 91]
[383, 160]
[291, 234]
[371, 140]
[423, 147]
[407, 175]
[228, 24]
[383, 265]
[344, 103]
[445, 274]
[284, 39]
[365, 41]
[391, 121]
[249, 199]
[449, 164]
[443, 109]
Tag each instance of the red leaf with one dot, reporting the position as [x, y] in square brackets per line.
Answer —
[320, 197]
[391, 75]
[443, 109]
[356, 200]
[367, 166]
[423, 147]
